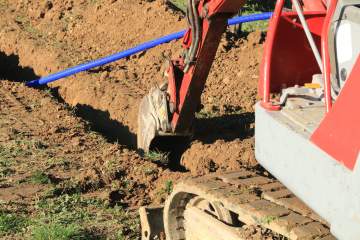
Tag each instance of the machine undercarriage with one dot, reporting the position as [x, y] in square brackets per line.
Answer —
[238, 205]
[235, 206]
[244, 204]
[306, 135]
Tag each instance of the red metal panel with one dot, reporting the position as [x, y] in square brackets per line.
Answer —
[291, 61]
[313, 5]
[339, 132]
[224, 6]
[187, 39]
[265, 69]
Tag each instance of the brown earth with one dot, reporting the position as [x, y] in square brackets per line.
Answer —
[46, 36]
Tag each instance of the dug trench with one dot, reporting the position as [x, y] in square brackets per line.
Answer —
[11, 69]
[100, 106]
[56, 174]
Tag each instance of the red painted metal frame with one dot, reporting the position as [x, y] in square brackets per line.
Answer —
[273, 81]
[190, 85]
[325, 53]
[265, 74]
[284, 65]
[288, 59]
[339, 132]
[311, 5]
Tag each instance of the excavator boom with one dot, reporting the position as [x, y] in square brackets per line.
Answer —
[169, 109]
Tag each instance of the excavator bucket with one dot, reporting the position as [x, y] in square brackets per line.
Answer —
[154, 128]
[153, 117]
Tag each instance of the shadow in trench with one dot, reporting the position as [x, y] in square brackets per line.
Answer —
[226, 127]
[98, 120]
[175, 146]
[111, 129]
[115, 131]
[11, 70]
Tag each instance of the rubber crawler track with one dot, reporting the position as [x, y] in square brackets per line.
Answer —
[256, 199]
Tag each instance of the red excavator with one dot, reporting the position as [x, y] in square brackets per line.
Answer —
[307, 132]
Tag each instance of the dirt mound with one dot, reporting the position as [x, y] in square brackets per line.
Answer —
[225, 125]
[222, 156]
[232, 83]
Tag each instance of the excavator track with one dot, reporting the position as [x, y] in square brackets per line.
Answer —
[239, 205]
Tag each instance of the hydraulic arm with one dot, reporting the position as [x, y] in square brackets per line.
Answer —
[169, 109]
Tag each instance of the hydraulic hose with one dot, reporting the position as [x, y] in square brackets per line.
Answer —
[140, 48]
[191, 17]
[196, 33]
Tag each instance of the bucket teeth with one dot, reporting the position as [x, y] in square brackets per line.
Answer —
[153, 117]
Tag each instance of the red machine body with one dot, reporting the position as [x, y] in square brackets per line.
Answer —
[287, 63]
[313, 149]
[339, 132]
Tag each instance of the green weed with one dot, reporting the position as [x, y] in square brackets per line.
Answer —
[38, 177]
[268, 219]
[169, 186]
[157, 156]
[11, 223]
[56, 231]
[6, 161]
[180, 4]
[58, 162]
[113, 169]
[129, 222]
[7, 153]
[72, 216]
[150, 170]
[27, 26]
[204, 114]
[67, 187]
[67, 209]
[166, 190]
[20, 148]
[5, 172]
[94, 1]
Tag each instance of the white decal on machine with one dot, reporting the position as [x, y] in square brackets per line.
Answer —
[344, 43]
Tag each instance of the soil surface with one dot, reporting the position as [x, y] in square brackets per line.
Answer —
[79, 133]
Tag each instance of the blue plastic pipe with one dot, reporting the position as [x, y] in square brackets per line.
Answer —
[140, 48]
[250, 18]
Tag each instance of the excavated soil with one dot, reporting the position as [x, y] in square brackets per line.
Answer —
[90, 118]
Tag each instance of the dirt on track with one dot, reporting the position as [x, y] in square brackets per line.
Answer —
[90, 118]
